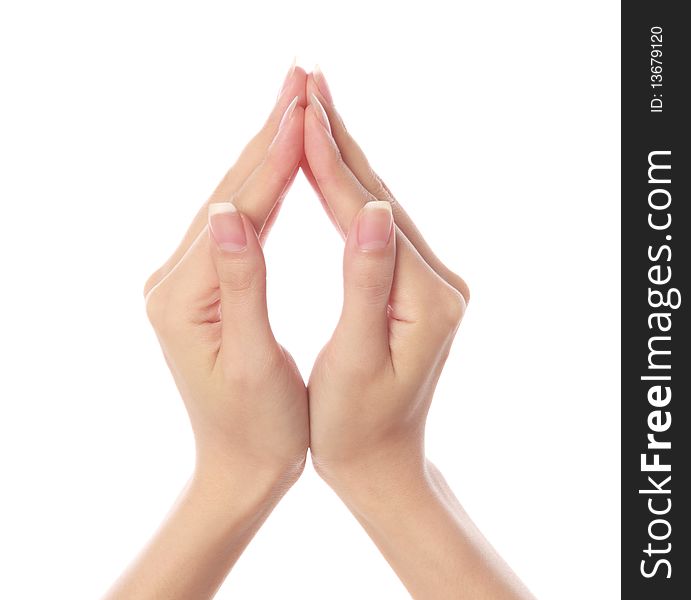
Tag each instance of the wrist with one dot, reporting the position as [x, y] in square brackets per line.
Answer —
[382, 477]
[240, 488]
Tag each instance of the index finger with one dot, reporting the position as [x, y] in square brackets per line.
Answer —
[252, 155]
[357, 162]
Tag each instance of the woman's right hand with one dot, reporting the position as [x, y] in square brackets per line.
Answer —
[373, 383]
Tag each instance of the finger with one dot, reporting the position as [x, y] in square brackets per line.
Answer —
[368, 271]
[261, 195]
[307, 170]
[239, 264]
[249, 159]
[184, 305]
[356, 160]
[253, 154]
[345, 196]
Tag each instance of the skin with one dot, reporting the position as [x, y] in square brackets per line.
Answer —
[363, 412]
[372, 385]
[246, 400]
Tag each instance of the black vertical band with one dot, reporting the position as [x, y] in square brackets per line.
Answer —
[656, 265]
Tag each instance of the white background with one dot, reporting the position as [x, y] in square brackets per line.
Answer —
[495, 123]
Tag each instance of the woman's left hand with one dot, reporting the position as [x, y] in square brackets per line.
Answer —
[244, 395]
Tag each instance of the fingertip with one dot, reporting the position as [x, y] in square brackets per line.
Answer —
[321, 151]
[310, 118]
[313, 89]
[371, 239]
[336, 124]
[294, 85]
[232, 230]
[310, 85]
[298, 121]
[311, 131]
[317, 136]
[300, 76]
[374, 226]
[368, 272]
[291, 124]
[287, 148]
[227, 227]
[320, 112]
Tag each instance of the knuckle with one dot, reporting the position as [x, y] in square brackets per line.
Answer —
[445, 309]
[459, 284]
[157, 306]
[452, 307]
[239, 278]
[151, 281]
[371, 285]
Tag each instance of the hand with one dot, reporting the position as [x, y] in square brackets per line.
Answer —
[245, 397]
[372, 384]
[370, 388]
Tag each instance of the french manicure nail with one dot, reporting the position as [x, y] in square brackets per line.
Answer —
[287, 78]
[323, 86]
[288, 112]
[321, 113]
[375, 225]
[226, 226]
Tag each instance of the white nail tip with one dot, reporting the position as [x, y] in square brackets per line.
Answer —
[288, 112]
[322, 113]
[378, 205]
[289, 74]
[218, 208]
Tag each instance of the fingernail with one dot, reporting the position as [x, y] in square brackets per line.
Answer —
[323, 86]
[288, 112]
[375, 225]
[226, 226]
[287, 78]
[321, 113]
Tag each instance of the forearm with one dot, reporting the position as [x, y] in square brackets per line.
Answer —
[205, 533]
[426, 536]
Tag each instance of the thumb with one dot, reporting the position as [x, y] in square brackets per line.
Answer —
[241, 271]
[368, 270]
